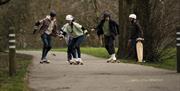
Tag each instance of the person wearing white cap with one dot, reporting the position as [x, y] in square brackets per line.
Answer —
[76, 34]
[135, 31]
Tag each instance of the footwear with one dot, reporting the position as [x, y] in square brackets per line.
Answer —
[113, 58]
[80, 61]
[41, 62]
[109, 60]
[72, 61]
[47, 61]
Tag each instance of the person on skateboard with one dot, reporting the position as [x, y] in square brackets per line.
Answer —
[109, 29]
[135, 32]
[47, 27]
[77, 32]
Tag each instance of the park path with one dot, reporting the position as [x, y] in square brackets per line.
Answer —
[97, 75]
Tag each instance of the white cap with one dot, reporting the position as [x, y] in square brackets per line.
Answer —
[132, 16]
[69, 17]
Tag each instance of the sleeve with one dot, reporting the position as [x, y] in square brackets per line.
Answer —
[99, 28]
[63, 30]
[117, 28]
[37, 24]
[140, 34]
[77, 25]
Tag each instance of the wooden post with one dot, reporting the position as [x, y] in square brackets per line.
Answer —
[178, 48]
[12, 51]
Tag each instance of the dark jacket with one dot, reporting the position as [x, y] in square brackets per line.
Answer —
[135, 31]
[113, 27]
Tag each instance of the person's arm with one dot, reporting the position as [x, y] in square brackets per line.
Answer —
[37, 24]
[117, 28]
[99, 28]
[81, 27]
[140, 34]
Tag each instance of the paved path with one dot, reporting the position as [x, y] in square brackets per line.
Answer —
[97, 75]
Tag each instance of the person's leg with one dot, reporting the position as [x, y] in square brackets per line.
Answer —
[134, 51]
[69, 54]
[111, 46]
[45, 45]
[71, 48]
[77, 44]
[49, 45]
[78, 51]
[106, 42]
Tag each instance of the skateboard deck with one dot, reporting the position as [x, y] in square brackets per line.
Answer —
[139, 48]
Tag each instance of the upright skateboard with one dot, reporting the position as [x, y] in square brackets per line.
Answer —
[139, 49]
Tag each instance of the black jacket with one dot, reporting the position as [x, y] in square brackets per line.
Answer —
[113, 27]
[135, 31]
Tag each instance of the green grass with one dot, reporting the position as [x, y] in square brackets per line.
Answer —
[97, 52]
[168, 62]
[17, 82]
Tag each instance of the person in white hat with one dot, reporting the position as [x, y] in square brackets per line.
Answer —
[75, 33]
[135, 31]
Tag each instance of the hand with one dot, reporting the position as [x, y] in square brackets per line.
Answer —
[60, 36]
[139, 39]
[88, 35]
[92, 29]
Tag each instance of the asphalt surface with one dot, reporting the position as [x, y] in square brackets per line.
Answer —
[97, 75]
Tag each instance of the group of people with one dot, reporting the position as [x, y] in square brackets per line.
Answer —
[74, 34]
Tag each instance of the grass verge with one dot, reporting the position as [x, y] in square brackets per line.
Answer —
[166, 63]
[17, 82]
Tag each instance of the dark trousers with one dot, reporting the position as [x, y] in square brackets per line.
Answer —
[133, 51]
[46, 39]
[69, 54]
[74, 47]
[109, 44]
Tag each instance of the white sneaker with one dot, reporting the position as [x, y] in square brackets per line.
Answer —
[80, 61]
[113, 58]
[72, 61]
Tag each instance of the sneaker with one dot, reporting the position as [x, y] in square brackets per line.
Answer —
[72, 61]
[47, 61]
[80, 61]
[41, 62]
[109, 60]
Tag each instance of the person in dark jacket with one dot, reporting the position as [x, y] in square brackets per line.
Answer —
[48, 28]
[135, 32]
[110, 29]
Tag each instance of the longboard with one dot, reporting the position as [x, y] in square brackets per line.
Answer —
[139, 49]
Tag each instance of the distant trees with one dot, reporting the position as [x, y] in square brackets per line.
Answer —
[158, 19]
[4, 1]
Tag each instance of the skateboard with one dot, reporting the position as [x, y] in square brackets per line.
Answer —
[76, 63]
[139, 49]
[113, 61]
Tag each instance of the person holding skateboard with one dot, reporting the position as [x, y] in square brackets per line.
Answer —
[109, 29]
[135, 35]
[77, 32]
[47, 27]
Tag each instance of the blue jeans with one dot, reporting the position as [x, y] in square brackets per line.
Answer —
[46, 39]
[74, 47]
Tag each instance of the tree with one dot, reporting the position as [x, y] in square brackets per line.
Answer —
[4, 1]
